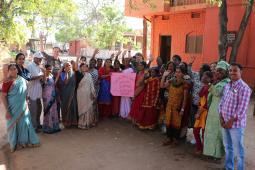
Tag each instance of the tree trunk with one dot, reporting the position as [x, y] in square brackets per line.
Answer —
[223, 20]
[241, 31]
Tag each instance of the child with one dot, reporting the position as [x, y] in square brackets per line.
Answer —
[201, 115]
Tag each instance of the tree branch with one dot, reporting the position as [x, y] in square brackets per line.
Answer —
[223, 20]
[241, 31]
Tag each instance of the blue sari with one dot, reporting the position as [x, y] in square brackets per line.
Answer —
[19, 128]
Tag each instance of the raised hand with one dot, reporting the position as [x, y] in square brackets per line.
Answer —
[192, 59]
[151, 58]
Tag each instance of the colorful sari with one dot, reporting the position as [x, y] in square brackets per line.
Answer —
[104, 94]
[201, 120]
[125, 102]
[50, 119]
[85, 97]
[149, 116]
[68, 99]
[19, 128]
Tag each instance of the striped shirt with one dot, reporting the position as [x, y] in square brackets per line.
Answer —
[234, 102]
[34, 86]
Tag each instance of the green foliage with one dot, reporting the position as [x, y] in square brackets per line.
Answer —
[17, 17]
[102, 27]
[11, 29]
[110, 30]
[71, 29]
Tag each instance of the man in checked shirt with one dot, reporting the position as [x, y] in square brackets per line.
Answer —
[233, 107]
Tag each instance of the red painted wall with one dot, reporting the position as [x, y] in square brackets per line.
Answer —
[180, 24]
[75, 47]
[178, 27]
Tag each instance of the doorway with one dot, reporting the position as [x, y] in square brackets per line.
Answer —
[165, 48]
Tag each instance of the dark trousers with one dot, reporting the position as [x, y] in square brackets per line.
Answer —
[173, 133]
[35, 107]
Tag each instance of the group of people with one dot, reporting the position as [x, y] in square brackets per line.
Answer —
[213, 101]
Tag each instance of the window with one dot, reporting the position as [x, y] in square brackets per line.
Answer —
[194, 44]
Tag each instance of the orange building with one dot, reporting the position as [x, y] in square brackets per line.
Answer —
[191, 28]
[76, 46]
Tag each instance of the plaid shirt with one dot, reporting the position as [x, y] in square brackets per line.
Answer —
[234, 102]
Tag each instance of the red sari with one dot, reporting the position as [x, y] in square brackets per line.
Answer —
[116, 103]
[136, 107]
[149, 115]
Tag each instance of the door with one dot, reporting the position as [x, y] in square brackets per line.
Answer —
[165, 48]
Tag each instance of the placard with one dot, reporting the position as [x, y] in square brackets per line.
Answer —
[123, 84]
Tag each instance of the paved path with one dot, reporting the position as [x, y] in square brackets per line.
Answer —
[116, 145]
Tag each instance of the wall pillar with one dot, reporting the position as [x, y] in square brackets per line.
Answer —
[144, 38]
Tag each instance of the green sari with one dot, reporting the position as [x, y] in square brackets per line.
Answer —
[213, 144]
[19, 128]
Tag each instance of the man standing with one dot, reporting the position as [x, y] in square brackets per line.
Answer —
[233, 107]
[35, 90]
[53, 60]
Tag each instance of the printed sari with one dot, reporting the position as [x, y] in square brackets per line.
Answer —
[50, 119]
[94, 74]
[149, 116]
[19, 128]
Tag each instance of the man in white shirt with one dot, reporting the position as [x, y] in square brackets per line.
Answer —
[35, 90]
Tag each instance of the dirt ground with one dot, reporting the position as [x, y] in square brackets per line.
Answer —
[114, 145]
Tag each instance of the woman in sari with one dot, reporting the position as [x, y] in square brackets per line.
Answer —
[136, 108]
[176, 104]
[67, 90]
[19, 126]
[94, 74]
[116, 99]
[22, 71]
[202, 111]
[104, 95]
[186, 114]
[50, 119]
[85, 97]
[125, 102]
[213, 143]
[167, 75]
[149, 117]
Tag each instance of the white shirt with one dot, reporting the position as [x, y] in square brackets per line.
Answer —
[34, 86]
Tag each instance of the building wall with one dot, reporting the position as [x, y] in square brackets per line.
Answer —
[178, 27]
[75, 47]
[180, 24]
[247, 48]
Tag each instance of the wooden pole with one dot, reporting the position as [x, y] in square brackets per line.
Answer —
[144, 38]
